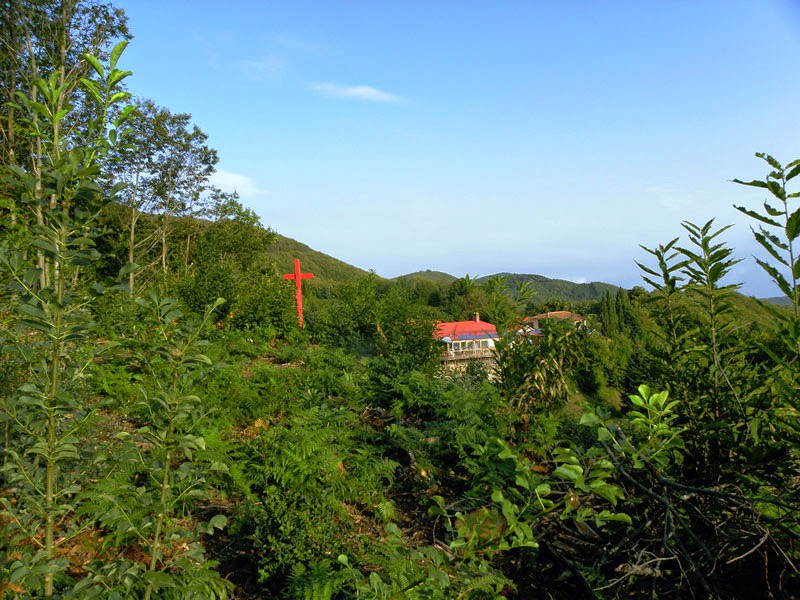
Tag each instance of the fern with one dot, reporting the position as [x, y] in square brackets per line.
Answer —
[387, 511]
[313, 476]
[321, 581]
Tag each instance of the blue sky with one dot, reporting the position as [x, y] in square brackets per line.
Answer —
[483, 137]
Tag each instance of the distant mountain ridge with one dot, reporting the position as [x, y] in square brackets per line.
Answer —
[327, 269]
[541, 288]
[545, 288]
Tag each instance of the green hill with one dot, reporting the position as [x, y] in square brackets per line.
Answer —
[542, 288]
[780, 300]
[325, 268]
[427, 275]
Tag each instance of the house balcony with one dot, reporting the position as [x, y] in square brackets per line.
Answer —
[470, 354]
[460, 360]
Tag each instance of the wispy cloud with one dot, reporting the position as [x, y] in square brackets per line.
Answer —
[266, 67]
[230, 182]
[668, 197]
[354, 92]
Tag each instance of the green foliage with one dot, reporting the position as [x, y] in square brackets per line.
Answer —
[227, 259]
[513, 507]
[46, 412]
[659, 442]
[405, 338]
[45, 38]
[779, 226]
[675, 518]
[712, 347]
[777, 233]
[537, 289]
[162, 475]
[166, 167]
[702, 351]
[348, 320]
[670, 264]
[535, 372]
[309, 478]
[138, 441]
[617, 315]
[423, 572]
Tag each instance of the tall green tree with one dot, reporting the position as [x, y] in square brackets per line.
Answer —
[46, 39]
[464, 297]
[608, 315]
[46, 410]
[167, 165]
[502, 308]
[714, 357]
[777, 233]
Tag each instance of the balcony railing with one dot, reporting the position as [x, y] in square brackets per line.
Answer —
[468, 354]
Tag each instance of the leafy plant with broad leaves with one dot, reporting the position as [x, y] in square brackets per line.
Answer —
[42, 467]
[777, 233]
[147, 503]
[779, 226]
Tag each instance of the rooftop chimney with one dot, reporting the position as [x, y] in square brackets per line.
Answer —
[476, 317]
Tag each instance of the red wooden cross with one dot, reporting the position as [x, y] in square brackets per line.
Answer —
[298, 288]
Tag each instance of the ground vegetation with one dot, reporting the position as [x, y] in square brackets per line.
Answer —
[170, 432]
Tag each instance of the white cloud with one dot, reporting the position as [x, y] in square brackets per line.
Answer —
[263, 68]
[354, 92]
[670, 198]
[245, 186]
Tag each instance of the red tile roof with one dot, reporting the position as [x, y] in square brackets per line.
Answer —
[557, 314]
[456, 330]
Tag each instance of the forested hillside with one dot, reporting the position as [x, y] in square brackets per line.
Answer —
[168, 431]
[326, 268]
[537, 288]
